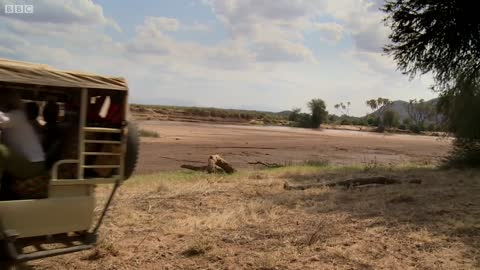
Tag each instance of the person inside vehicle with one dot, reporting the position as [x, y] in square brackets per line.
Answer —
[51, 143]
[21, 153]
[33, 111]
[68, 144]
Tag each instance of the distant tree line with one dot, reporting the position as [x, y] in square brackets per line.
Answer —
[422, 116]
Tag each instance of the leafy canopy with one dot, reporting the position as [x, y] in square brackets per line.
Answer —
[438, 36]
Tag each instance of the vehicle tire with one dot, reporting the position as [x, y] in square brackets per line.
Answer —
[133, 144]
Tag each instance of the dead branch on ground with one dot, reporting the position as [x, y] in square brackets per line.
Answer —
[266, 164]
[354, 182]
[194, 168]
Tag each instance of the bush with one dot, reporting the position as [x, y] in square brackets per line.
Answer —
[461, 108]
[465, 154]
[390, 118]
[407, 122]
[332, 118]
[319, 112]
[303, 120]
[402, 127]
[294, 114]
[267, 119]
[345, 122]
[373, 121]
[431, 127]
[415, 129]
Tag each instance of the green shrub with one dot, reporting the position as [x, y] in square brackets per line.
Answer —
[318, 111]
[390, 118]
[373, 121]
[415, 129]
[304, 120]
[407, 122]
[345, 122]
[465, 154]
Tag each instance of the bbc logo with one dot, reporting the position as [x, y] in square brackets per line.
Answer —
[18, 9]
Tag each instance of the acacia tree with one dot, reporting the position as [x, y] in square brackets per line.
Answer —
[294, 114]
[318, 112]
[419, 111]
[344, 108]
[379, 105]
[442, 38]
[372, 104]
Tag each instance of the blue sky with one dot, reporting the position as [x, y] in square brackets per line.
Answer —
[252, 54]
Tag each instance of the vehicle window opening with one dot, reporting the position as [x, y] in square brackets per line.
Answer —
[55, 119]
[32, 137]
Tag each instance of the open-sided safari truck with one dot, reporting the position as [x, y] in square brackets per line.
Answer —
[93, 143]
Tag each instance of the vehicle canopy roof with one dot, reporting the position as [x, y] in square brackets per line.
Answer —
[38, 74]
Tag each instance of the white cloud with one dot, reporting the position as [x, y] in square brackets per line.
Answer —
[263, 61]
[331, 32]
[362, 19]
[62, 12]
[153, 41]
[273, 28]
[158, 24]
[285, 51]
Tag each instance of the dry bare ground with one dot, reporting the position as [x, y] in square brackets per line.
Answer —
[189, 220]
[192, 143]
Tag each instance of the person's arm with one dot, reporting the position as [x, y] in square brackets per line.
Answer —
[4, 120]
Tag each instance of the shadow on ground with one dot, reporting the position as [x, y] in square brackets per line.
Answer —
[436, 223]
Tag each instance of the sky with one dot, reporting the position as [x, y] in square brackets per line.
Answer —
[268, 55]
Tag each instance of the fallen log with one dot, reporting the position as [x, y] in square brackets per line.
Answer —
[193, 168]
[268, 165]
[354, 182]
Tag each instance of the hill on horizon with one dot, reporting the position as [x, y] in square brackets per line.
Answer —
[400, 107]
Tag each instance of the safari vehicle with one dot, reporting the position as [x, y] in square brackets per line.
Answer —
[54, 214]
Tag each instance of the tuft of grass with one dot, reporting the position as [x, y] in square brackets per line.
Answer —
[148, 133]
[101, 251]
[402, 198]
[317, 163]
[198, 247]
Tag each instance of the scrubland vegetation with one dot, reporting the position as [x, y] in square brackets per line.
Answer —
[189, 220]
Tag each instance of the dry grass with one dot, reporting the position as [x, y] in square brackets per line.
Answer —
[148, 133]
[247, 221]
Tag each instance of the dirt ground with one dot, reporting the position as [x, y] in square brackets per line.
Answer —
[169, 219]
[192, 143]
[192, 220]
